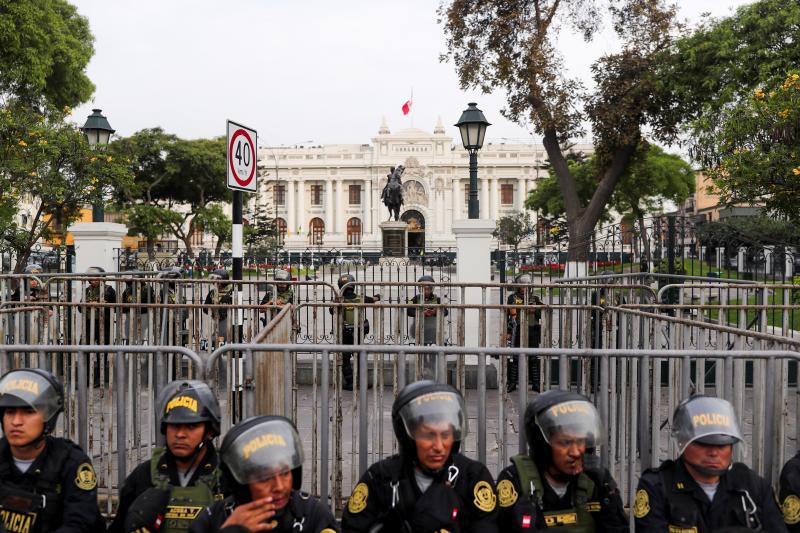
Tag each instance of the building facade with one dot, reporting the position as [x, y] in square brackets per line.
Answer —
[330, 196]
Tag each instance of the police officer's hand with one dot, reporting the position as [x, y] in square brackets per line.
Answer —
[255, 516]
[376, 297]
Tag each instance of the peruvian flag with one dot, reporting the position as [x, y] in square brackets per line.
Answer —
[526, 521]
[407, 107]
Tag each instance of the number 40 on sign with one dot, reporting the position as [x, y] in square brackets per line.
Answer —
[242, 157]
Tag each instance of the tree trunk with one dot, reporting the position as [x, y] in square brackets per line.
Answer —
[187, 241]
[218, 247]
[151, 249]
[580, 238]
[645, 240]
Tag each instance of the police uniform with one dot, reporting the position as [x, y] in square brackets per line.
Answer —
[185, 503]
[592, 502]
[461, 499]
[351, 334]
[789, 493]
[223, 296]
[303, 514]
[669, 499]
[101, 317]
[428, 322]
[286, 295]
[534, 339]
[58, 492]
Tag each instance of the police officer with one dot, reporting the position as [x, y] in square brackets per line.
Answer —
[428, 486]
[789, 493]
[182, 479]
[97, 321]
[283, 293]
[171, 320]
[514, 324]
[429, 313]
[136, 325]
[46, 483]
[262, 462]
[351, 332]
[704, 489]
[34, 292]
[221, 294]
[553, 486]
[30, 292]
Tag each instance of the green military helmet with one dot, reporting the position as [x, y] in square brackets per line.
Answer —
[33, 388]
[33, 268]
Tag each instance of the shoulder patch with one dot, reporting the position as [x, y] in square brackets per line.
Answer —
[791, 509]
[86, 479]
[328, 530]
[485, 500]
[506, 493]
[358, 500]
[641, 506]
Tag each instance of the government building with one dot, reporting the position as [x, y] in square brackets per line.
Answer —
[329, 196]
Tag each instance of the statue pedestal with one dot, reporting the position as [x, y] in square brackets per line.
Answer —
[395, 238]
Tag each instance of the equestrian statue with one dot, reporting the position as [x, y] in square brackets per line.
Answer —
[392, 194]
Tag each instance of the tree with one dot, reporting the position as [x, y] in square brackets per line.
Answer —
[513, 229]
[261, 234]
[45, 46]
[214, 220]
[51, 162]
[141, 201]
[511, 45]
[196, 177]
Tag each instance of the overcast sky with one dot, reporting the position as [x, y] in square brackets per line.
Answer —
[295, 70]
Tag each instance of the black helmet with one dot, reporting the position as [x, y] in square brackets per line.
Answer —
[35, 389]
[258, 448]
[555, 411]
[282, 275]
[219, 274]
[33, 268]
[344, 279]
[707, 420]
[425, 279]
[171, 273]
[427, 400]
[189, 402]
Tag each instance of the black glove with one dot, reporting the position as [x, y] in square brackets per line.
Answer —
[147, 511]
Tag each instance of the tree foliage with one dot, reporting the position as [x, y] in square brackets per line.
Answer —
[214, 221]
[512, 45]
[45, 46]
[515, 228]
[49, 162]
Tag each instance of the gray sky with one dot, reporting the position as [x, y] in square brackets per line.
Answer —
[295, 70]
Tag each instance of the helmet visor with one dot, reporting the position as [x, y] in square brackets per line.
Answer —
[572, 420]
[435, 412]
[707, 420]
[264, 451]
[29, 389]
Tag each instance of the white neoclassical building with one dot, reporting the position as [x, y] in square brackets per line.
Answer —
[329, 195]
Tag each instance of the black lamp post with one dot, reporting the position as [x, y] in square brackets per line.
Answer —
[98, 132]
[472, 125]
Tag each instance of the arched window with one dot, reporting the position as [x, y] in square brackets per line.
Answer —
[317, 230]
[354, 232]
[281, 224]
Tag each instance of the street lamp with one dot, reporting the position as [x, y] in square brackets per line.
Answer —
[98, 132]
[472, 126]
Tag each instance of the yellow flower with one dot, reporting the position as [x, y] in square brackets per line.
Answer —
[34, 173]
[784, 113]
[796, 77]
[22, 143]
[93, 159]
[43, 142]
[109, 159]
[759, 93]
[67, 110]
[796, 171]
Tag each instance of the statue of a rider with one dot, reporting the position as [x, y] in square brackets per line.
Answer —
[392, 194]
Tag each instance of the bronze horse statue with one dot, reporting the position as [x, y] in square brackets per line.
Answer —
[392, 194]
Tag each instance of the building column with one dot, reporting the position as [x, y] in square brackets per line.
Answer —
[494, 197]
[519, 194]
[291, 223]
[458, 201]
[329, 221]
[366, 224]
[341, 207]
[484, 201]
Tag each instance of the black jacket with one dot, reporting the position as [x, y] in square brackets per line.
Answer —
[469, 505]
[140, 480]
[64, 475]
[657, 507]
[789, 493]
[302, 509]
[514, 503]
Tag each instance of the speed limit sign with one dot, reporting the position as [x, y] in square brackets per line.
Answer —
[242, 157]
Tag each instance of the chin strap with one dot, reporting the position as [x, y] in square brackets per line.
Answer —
[709, 471]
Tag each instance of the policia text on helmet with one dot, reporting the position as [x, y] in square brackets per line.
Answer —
[262, 463]
[46, 483]
[428, 486]
[557, 484]
[704, 489]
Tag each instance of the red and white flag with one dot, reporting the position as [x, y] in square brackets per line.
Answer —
[407, 107]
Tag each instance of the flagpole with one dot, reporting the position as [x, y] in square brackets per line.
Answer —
[412, 107]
